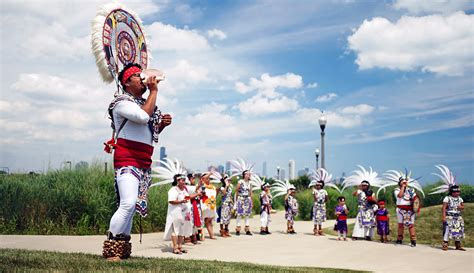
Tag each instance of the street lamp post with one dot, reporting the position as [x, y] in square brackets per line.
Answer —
[278, 172]
[322, 125]
[316, 152]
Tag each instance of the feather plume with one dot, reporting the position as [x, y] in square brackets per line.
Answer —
[447, 177]
[322, 175]
[165, 173]
[361, 175]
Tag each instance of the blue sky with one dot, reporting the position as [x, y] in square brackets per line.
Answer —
[249, 79]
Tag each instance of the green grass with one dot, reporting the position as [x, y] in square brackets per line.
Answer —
[428, 226]
[37, 261]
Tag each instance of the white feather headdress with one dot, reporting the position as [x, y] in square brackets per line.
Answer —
[280, 188]
[361, 175]
[238, 166]
[447, 177]
[257, 182]
[97, 41]
[167, 172]
[392, 177]
[216, 177]
[322, 175]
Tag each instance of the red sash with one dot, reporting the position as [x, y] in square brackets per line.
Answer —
[405, 207]
[342, 217]
[132, 153]
[382, 218]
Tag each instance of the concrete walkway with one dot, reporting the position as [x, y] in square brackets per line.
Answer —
[302, 249]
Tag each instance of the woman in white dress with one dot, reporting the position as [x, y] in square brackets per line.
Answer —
[178, 219]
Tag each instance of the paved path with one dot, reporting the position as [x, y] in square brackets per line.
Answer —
[302, 249]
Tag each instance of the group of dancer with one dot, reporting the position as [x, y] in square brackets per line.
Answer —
[137, 123]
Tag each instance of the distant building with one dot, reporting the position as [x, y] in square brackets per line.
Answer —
[227, 167]
[282, 174]
[163, 154]
[220, 169]
[264, 169]
[291, 170]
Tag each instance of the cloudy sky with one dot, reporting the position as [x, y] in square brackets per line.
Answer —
[249, 79]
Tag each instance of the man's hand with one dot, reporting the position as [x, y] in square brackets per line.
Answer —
[165, 121]
[152, 84]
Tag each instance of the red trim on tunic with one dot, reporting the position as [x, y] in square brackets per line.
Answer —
[132, 153]
[342, 217]
[405, 207]
[382, 218]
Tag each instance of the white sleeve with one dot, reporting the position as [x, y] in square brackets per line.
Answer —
[446, 199]
[397, 190]
[131, 111]
[172, 194]
[462, 201]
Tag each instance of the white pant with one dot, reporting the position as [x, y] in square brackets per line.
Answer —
[264, 219]
[247, 221]
[121, 221]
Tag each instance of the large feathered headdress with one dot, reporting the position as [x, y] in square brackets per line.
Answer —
[117, 39]
[258, 183]
[239, 166]
[167, 171]
[393, 177]
[321, 176]
[449, 180]
[217, 177]
[280, 188]
[362, 175]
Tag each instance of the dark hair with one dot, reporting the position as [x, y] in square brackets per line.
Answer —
[190, 175]
[320, 182]
[223, 180]
[454, 188]
[243, 173]
[120, 76]
[175, 179]
[340, 198]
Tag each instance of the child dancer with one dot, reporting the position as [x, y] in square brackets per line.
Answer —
[341, 222]
[453, 205]
[291, 206]
[265, 208]
[382, 218]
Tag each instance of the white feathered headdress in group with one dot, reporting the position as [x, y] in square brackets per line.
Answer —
[362, 175]
[216, 177]
[280, 188]
[393, 177]
[117, 39]
[257, 183]
[321, 175]
[167, 171]
[238, 166]
[447, 177]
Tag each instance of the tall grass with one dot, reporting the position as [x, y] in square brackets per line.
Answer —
[82, 201]
[68, 202]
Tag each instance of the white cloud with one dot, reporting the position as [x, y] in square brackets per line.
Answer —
[435, 43]
[260, 105]
[219, 34]
[361, 109]
[267, 84]
[168, 37]
[44, 86]
[312, 85]
[326, 97]
[346, 117]
[437, 6]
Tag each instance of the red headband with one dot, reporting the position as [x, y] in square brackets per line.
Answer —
[381, 202]
[129, 72]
